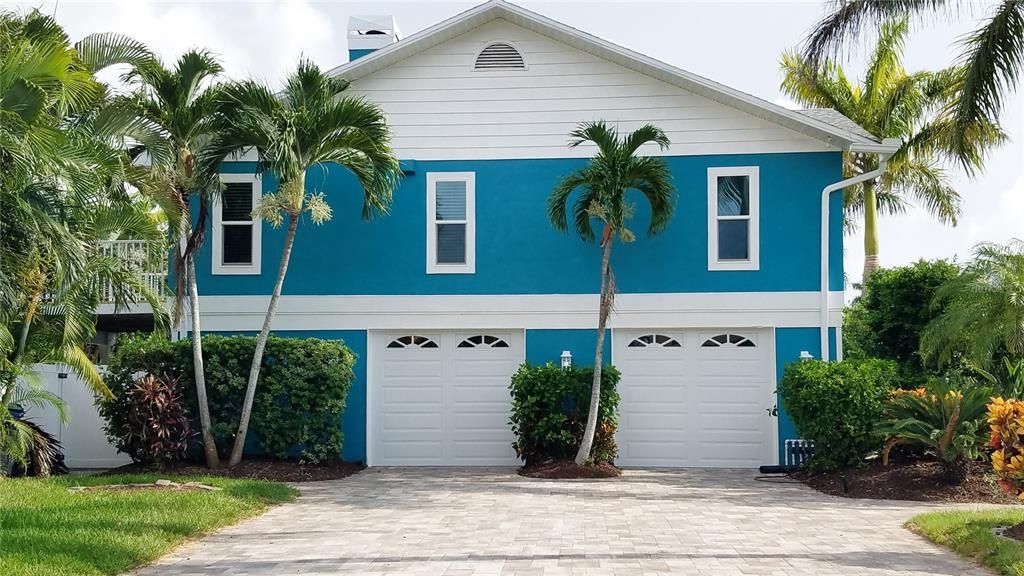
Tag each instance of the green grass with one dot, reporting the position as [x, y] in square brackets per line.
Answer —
[969, 533]
[47, 531]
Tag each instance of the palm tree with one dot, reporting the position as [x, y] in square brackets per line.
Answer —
[989, 66]
[983, 308]
[893, 103]
[312, 123]
[63, 176]
[65, 172]
[603, 185]
[182, 100]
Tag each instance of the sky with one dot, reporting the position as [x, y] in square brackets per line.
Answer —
[735, 43]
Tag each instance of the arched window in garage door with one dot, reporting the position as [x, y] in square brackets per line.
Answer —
[483, 341]
[412, 341]
[654, 341]
[728, 341]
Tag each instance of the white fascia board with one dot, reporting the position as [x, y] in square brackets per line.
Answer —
[462, 23]
[550, 311]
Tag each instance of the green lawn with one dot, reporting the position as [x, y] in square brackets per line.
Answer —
[47, 531]
[969, 533]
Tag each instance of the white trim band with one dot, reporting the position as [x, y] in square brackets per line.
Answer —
[550, 311]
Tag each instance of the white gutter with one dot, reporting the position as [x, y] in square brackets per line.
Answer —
[884, 150]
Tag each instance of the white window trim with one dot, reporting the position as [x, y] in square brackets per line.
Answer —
[754, 232]
[470, 265]
[219, 268]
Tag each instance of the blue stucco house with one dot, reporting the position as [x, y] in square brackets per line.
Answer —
[465, 279]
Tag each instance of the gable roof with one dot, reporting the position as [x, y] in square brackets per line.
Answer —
[814, 123]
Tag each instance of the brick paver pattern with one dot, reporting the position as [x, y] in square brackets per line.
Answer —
[476, 522]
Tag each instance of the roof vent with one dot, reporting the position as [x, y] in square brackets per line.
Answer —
[499, 56]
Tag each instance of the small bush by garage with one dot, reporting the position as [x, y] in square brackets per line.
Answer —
[549, 412]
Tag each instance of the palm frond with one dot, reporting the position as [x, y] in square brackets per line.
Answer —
[98, 51]
[850, 18]
[993, 62]
[929, 184]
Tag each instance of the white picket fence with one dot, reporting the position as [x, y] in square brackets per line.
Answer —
[85, 444]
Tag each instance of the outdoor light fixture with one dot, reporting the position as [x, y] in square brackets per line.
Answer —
[566, 359]
[805, 355]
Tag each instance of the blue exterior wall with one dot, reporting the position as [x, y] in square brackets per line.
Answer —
[544, 346]
[518, 252]
[789, 342]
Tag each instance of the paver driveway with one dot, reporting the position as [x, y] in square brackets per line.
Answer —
[477, 522]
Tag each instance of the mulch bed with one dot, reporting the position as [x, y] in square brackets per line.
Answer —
[254, 469]
[1015, 532]
[567, 469]
[918, 480]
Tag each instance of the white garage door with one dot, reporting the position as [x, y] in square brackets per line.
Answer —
[695, 398]
[442, 398]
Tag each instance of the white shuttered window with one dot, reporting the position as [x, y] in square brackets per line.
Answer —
[451, 223]
[236, 234]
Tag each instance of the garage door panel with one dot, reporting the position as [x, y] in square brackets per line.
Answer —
[393, 394]
[409, 420]
[645, 396]
[742, 428]
[738, 395]
[495, 390]
[412, 368]
[496, 368]
[652, 368]
[412, 451]
[657, 453]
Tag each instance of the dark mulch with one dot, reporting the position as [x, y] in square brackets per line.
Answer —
[1015, 532]
[918, 480]
[567, 469]
[254, 469]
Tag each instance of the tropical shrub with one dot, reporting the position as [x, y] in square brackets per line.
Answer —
[946, 418]
[549, 412]
[25, 448]
[887, 321]
[297, 409]
[838, 406]
[1006, 427]
[982, 309]
[156, 428]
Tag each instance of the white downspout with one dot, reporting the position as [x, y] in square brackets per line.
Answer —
[883, 159]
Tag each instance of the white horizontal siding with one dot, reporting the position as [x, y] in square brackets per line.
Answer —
[440, 108]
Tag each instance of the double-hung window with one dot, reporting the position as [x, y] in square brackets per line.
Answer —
[236, 234]
[451, 222]
[733, 218]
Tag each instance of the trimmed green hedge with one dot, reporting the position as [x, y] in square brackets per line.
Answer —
[549, 412]
[299, 400]
[838, 405]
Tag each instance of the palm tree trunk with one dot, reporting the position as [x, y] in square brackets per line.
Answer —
[261, 342]
[206, 425]
[26, 325]
[604, 308]
[870, 231]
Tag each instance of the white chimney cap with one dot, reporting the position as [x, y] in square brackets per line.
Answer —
[372, 32]
[373, 25]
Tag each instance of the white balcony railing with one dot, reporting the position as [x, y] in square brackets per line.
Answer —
[151, 267]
